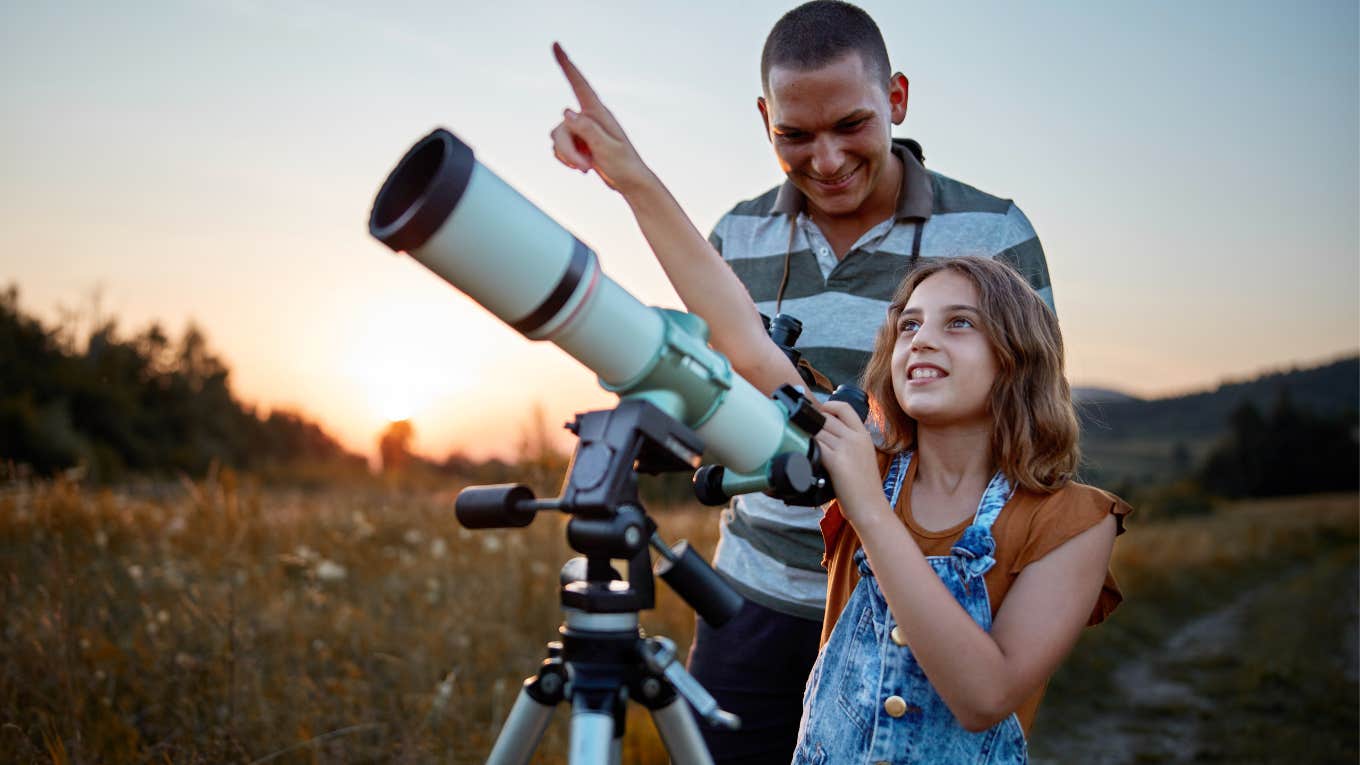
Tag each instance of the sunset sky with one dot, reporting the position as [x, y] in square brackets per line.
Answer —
[1193, 170]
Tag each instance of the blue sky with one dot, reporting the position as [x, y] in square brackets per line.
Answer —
[1191, 168]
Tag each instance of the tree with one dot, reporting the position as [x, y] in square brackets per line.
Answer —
[394, 447]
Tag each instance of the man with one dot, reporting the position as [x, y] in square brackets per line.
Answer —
[857, 210]
[828, 246]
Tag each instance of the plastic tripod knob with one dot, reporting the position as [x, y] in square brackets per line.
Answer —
[494, 507]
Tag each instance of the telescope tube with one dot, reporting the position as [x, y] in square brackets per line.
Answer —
[457, 218]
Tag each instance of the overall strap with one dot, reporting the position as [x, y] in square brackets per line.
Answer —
[972, 553]
[897, 473]
[998, 493]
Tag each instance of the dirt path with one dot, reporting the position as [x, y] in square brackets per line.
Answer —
[1170, 693]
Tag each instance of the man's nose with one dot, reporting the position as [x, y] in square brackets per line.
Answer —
[827, 157]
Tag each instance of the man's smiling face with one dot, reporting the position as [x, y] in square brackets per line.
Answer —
[831, 129]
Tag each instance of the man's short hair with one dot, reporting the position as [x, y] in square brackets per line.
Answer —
[817, 33]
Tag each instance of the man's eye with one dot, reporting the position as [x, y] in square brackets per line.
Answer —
[850, 127]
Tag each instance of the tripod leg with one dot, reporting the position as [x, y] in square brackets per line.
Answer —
[522, 731]
[680, 734]
[592, 734]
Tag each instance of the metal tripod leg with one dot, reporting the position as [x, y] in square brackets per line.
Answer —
[592, 735]
[522, 732]
[680, 734]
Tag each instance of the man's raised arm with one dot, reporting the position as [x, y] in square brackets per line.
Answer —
[592, 139]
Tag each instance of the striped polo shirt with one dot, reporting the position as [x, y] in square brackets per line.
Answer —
[772, 552]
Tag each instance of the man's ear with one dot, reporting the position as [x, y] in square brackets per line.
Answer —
[897, 97]
[764, 116]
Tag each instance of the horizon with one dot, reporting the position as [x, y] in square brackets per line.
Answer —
[215, 163]
[73, 318]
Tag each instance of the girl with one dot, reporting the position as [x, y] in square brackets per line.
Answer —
[963, 559]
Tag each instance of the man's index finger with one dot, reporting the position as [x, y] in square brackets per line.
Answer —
[585, 94]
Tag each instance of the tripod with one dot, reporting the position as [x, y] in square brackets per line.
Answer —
[603, 659]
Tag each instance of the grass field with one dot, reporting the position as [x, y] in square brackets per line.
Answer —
[212, 621]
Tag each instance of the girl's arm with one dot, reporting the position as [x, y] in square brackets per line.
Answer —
[593, 140]
[982, 677]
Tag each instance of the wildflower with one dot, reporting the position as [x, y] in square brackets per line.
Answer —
[491, 543]
[330, 571]
[135, 573]
[363, 528]
[413, 537]
[439, 548]
[443, 693]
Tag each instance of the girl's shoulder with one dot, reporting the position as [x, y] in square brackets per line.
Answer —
[1034, 524]
[1077, 499]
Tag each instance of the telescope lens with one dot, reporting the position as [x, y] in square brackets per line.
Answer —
[421, 192]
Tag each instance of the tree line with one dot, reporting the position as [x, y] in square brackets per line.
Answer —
[144, 404]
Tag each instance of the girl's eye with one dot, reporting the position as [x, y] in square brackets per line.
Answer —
[961, 323]
[908, 325]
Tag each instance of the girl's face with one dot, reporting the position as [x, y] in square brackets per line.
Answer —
[942, 364]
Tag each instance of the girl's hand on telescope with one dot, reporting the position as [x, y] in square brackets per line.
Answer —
[592, 139]
[849, 456]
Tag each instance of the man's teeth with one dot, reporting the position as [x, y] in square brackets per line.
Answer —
[921, 372]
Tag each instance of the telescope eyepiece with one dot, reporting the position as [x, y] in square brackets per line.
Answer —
[785, 330]
[855, 397]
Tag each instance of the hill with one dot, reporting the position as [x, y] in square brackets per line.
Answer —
[1135, 440]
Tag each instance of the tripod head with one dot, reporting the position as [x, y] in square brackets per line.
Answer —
[607, 517]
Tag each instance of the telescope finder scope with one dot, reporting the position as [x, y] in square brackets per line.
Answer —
[461, 221]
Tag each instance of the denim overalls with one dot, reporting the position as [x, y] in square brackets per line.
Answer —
[868, 701]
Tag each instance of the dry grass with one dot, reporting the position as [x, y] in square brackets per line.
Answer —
[214, 622]
[226, 624]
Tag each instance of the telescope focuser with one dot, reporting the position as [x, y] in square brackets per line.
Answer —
[793, 477]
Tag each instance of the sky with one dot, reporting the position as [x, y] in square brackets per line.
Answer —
[1192, 170]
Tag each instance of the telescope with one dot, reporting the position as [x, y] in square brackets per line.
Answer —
[678, 398]
[460, 220]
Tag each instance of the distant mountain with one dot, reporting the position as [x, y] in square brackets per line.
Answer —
[1092, 395]
[1126, 439]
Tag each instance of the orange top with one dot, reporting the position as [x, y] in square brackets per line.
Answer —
[1029, 527]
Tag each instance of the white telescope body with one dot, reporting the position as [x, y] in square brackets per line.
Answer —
[464, 223]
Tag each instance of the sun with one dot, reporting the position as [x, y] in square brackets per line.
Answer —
[401, 362]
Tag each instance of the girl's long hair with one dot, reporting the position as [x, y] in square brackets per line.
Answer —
[1034, 426]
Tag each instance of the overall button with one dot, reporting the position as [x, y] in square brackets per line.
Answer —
[896, 636]
[895, 706]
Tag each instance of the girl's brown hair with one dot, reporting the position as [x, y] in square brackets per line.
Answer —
[1034, 430]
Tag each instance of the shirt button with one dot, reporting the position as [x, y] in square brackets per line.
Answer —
[896, 636]
[895, 706]
[824, 252]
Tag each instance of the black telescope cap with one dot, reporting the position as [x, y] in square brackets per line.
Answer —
[422, 191]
